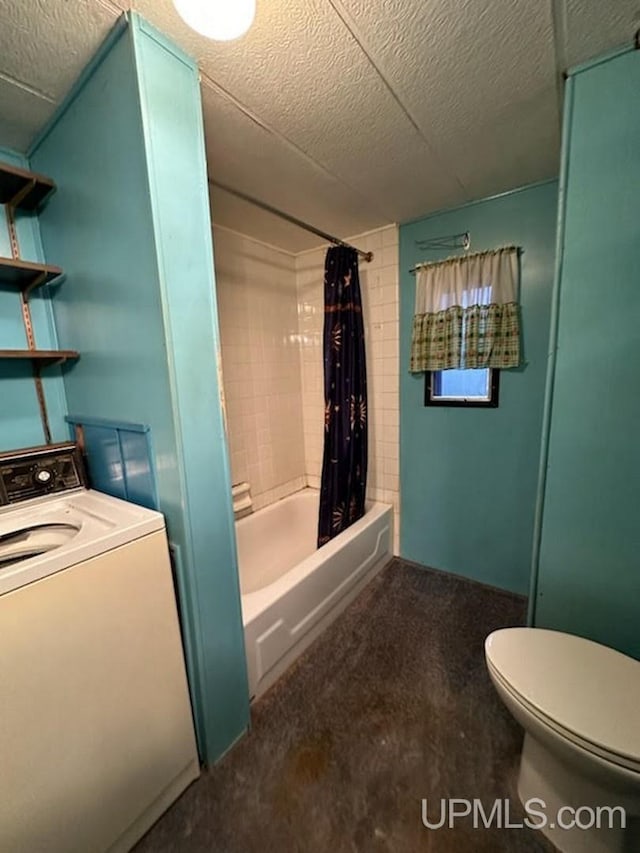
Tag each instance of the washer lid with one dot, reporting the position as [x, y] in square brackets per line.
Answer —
[27, 542]
[53, 532]
[590, 690]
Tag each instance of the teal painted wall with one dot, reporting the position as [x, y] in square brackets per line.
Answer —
[589, 564]
[20, 423]
[174, 132]
[130, 224]
[468, 476]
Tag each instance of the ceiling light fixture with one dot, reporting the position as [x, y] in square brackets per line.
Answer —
[221, 20]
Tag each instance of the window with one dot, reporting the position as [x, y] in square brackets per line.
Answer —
[473, 387]
[466, 314]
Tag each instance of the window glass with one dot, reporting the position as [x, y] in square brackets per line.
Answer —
[472, 387]
[462, 384]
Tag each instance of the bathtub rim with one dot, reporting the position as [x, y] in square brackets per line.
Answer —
[256, 602]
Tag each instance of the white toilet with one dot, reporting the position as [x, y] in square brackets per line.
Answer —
[579, 703]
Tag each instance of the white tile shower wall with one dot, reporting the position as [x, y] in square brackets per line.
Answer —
[379, 284]
[257, 304]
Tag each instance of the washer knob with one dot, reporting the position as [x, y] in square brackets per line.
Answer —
[43, 476]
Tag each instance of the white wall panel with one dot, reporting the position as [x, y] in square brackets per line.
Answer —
[301, 71]
[479, 79]
[249, 158]
[258, 310]
[20, 112]
[47, 44]
[593, 27]
[366, 111]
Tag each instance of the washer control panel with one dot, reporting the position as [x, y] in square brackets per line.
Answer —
[26, 474]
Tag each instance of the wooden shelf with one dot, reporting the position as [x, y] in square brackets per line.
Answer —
[23, 189]
[39, 356]
[26, 275]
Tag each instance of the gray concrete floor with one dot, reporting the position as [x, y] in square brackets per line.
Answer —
[391, 705]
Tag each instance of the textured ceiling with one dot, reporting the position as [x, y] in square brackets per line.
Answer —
[349, 114]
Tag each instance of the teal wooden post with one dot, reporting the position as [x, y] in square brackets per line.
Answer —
[130, 225]
[588, 578]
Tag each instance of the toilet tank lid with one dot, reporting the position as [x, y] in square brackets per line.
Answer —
[590, 690]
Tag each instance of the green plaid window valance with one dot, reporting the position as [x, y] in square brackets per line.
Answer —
[467, 314]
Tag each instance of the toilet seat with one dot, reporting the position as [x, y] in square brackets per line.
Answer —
[586, 693]
[566, 734]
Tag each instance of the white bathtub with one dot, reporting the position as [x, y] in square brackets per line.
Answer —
[291, 590]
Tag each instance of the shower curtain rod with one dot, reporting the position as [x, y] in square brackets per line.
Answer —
[366, 256]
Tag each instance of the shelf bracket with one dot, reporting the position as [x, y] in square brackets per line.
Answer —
[26, 319]
[37, 378]
[42, 404]
[13, 237]
[37, 281]
[22, 193]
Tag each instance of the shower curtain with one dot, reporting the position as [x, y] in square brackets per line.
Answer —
[344, 466]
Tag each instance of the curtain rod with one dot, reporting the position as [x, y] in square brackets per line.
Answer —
[366, 256]
[459, 258]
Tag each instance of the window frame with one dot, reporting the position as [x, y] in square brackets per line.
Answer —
[492, 403]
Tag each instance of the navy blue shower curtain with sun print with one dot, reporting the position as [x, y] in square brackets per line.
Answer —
[344, 466]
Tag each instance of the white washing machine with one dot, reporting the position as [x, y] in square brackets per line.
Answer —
[96, 731]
